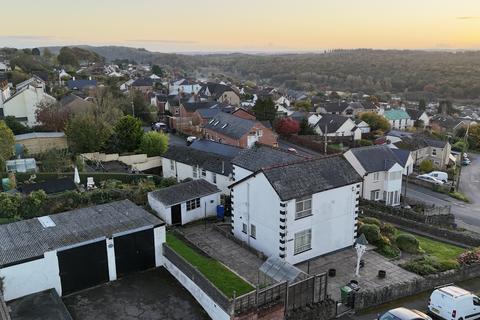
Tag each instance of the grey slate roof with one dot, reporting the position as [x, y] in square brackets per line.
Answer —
[375, 158]
[416, 141]
[34, 135]
[143, 82]
[332, 122]
[28, 239]
[402, 156]
[182, 192]
[208, 113]
[213, 162]
[335, 107]
[193, 106]
[81, 84]
[230, 125]
[414, 113]
[216, 147]
[262, 156]
[311, 176]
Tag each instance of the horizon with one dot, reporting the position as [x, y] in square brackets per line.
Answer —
[269, 26]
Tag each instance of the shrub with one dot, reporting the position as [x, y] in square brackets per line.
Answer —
[371, 232]
[469, 257]
[389, 251]
[370, 220]
[429, 265]
[154, 143]
[364, 142]
[408, 243]
[9, 205]
[426, 165]
[388, 230]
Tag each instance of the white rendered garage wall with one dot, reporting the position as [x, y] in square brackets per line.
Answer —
[32, 277]
[159, 238]
[207, 303]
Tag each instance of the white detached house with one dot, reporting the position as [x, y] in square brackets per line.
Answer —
[297, 211]
[381, 168]
[334, 125]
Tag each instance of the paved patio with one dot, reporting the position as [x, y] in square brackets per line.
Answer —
[237, 258]
[345, 262]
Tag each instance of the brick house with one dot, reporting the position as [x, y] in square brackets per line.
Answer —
[244, 114]
[230, 129]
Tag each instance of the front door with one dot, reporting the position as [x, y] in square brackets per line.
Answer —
[177, 214]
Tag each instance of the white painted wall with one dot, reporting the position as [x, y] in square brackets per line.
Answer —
[25, 104]
[239, 173]
[209, 202]
[182, 171]
[207, 303]
[112, 264]
[332, 221]
[159, 237]
[32, 277]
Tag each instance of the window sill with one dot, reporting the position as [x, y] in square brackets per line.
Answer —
[302, 252]
[300, 218]
[253, 237]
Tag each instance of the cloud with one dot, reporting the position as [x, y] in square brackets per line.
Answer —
[164, 41]
[468, 18]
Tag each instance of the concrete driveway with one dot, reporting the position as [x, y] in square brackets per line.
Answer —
[154, 294]
[467, 215]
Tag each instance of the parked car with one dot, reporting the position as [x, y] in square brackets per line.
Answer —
[439, 175]
[160, 126]
[404, 314]
[455, 303]
[426, 177]
[190, 139]
[466, 161]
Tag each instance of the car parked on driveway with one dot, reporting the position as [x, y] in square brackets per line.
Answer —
[466, 161]
[428, 178]
[404, 314]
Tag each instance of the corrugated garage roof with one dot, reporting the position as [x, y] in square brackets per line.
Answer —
[31, 238]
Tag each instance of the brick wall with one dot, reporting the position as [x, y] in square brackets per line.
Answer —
[276, 312]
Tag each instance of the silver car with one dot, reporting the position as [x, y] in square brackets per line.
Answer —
[404, 314]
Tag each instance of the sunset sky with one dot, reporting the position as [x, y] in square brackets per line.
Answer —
[246, 25]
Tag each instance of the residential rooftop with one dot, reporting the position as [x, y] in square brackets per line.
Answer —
[261, 156]
[30, 239]
[184, 191]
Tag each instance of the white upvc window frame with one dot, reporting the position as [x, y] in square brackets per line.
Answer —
[302, 241]
[303, 207]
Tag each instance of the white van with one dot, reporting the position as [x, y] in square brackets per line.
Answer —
[454, 303]
[439, 175]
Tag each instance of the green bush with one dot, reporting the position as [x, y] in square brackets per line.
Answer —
[371, 232]
[388, 230]
[408, 243]
[389, 251]
[364, 142]
[426, 165]
[429, 265]
[369, 220]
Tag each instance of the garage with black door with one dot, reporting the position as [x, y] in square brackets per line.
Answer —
[134, 252]
[83, 267]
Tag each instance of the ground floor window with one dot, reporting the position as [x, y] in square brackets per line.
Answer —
[253, 231]
[303, 241]
[193, 204]
[374, 194]
[244, 228]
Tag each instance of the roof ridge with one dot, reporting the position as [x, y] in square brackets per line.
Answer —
[275, 166]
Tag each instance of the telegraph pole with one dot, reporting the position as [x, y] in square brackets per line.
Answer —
[465, 140]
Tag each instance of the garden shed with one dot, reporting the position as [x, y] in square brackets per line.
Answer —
[185, 202]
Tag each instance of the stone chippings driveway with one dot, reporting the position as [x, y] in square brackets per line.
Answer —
[150, 295]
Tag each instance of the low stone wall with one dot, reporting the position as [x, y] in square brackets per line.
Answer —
[366, 299]
[465, 237]
[139, 162]
[439, 218]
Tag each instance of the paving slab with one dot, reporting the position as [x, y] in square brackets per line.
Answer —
[345, 263]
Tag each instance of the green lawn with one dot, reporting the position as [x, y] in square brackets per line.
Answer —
[440, 250]
[225, 280]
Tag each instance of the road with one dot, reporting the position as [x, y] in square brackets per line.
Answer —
[418, 302]
[467, 215]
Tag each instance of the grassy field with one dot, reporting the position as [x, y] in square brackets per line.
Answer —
[225, 280]
[440, 250]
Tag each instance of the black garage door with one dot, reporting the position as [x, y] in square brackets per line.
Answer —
[83, 267]
[134, 252]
